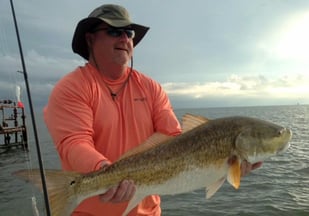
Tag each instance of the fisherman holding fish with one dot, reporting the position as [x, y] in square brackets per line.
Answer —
[105, 108]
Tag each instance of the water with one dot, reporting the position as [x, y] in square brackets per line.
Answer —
[280, 187]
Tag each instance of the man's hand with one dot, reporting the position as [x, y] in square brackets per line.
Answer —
[247, 167]
[121, 193]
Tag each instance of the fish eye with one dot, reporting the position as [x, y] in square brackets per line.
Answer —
[281, 131]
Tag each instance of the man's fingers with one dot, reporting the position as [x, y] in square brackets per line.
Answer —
[256, 165]
[130, 191]
[108, 195]
[247, 167]
[123, 192]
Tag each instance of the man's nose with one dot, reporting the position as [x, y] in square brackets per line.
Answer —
[124, 37]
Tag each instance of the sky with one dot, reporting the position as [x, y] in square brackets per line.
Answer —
[204, 53]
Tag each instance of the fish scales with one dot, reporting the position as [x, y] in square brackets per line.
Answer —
[206, 145]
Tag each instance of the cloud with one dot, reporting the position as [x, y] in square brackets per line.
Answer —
[206, 53]
[43, 72]
[239, 90]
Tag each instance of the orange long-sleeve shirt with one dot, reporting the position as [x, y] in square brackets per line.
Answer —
[88, 126]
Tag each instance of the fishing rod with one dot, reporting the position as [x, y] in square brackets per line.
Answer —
[32, 115]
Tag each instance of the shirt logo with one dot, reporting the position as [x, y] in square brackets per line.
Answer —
[142, 99]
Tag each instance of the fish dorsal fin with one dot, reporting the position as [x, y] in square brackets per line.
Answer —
[190, 121]
[156, 139]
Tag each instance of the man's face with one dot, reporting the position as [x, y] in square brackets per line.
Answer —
[110, 45]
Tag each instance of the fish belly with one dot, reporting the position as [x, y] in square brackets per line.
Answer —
[187, 181]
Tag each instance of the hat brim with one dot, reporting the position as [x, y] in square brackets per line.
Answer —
[79, 44]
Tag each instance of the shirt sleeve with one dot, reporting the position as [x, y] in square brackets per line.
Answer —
[69, 119]
[165, 120]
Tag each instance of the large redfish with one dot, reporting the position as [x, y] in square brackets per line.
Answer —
[172, 165]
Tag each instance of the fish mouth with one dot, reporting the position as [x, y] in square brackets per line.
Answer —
[287, 135]
[283, 148]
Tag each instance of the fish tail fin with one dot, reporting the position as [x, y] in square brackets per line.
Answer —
[60, 188]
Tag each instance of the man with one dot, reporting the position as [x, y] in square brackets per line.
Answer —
[102, 109]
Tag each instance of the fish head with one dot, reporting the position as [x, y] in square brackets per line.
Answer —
[259, 140]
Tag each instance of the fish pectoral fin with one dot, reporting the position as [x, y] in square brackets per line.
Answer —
[234, 173]
[154, 140]
[190, 121]
[212, 189]
[137, 198]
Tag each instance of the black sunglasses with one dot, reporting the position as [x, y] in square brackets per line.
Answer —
[117, 32]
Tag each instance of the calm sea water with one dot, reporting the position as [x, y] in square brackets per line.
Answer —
[280, 187]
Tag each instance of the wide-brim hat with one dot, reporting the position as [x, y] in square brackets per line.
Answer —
[113, 15]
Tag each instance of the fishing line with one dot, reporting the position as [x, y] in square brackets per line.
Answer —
[32, 115]
[3, 39]
[35, 210]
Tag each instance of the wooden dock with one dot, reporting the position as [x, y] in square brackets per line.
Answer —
[13, 131]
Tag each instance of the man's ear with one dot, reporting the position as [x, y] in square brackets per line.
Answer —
[88, 39]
